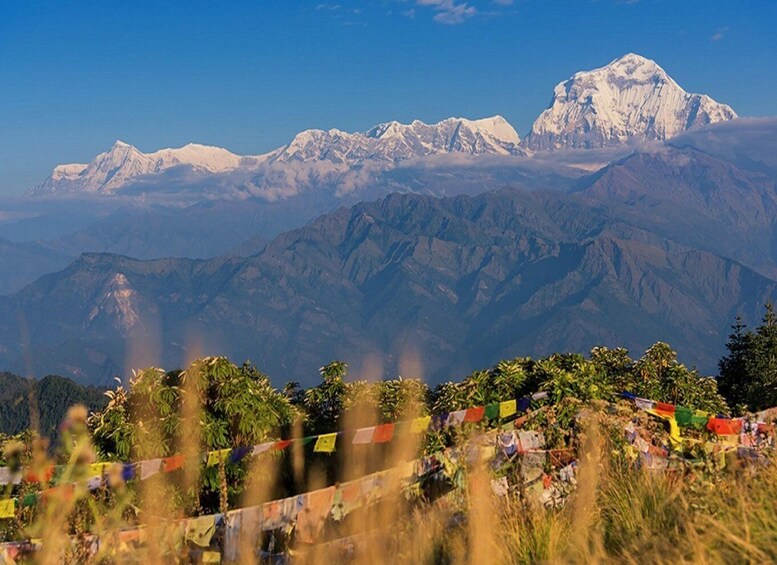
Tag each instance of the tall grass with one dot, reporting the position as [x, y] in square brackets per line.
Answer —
[618, 513]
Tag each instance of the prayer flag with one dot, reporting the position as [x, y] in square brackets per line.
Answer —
[7, 477]
[383, 433]
[98, 469]
[474, 414]
[215, 457]
[325, 443]
[456, 418]
[149, 468]
[364, 435]
[492, 411]
[420, 424]
[724, 426]
[539, 395]
[311, 517]
[239, 453]
[507, 408]
[282, 444]
[665, 408]
[172, 463]
[683, 415]
[128, 471]
[262, 447]
[7, 508]
[200, 530]
[523, 404]
[699, 419]
[644, 403]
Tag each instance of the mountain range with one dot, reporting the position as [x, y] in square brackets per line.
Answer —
[630, 100]
[632, 212]
[650, 247]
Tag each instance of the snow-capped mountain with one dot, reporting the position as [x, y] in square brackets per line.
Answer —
[333, 152]
[631, 99]
[123, 163]
[393, 141]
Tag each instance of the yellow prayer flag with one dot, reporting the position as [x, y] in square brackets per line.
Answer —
[507, 408]
[214, 457]
[98, 469]
[7, 508]
[325, 443]
[419, 425]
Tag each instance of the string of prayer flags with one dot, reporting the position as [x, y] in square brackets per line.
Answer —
[325, 443]
[507, 408]
[383, 433]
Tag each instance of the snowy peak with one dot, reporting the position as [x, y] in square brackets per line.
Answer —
[630, 99]
[393, 141]
[123, 163]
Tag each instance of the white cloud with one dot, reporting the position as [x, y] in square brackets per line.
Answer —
[719, 33]
[449, 12]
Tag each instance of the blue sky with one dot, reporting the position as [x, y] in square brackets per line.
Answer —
[247, 75]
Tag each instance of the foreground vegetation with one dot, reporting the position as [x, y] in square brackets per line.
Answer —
[706, 505]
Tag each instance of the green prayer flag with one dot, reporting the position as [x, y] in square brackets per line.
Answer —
[325, 443]
[683, 415]
[492, 411]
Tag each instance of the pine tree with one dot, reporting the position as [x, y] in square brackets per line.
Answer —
[763, 363]
[734, 378]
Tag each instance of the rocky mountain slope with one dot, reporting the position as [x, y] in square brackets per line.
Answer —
[407, 284]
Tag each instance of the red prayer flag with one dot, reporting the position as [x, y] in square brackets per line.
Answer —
[172, 463]
[282, 444]
[474, 414]
[724, 426]
[44, 477]
[663, 407]
[383, 433]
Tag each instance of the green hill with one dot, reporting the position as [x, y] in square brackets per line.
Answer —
[50, 396]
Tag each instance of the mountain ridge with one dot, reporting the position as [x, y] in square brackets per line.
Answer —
[631, 99]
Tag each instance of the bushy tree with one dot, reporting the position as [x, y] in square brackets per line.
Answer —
[235, 405]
